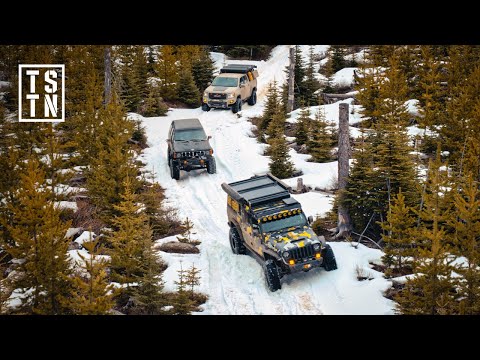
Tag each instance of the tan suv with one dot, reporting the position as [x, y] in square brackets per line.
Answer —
[234, 85]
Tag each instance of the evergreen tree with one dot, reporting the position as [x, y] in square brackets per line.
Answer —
[130, 239]
[430, 291]
[39, 244]
[310, 84]
[368, 87]
[280, 164]
[465, 221]
[183, 304]
[276, 127]
[187, 90]
[152, 198]
[92, 294]
[202, 70]
[303, 126]
[299, 71]
[154, 105]
[167, 70]
[336, 54]
[272, 106]
[319, 143]
[192, 279]
[188, 232]
[397, 235]
[379, 55]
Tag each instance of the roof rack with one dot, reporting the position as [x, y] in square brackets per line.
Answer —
[257, 190]
[237, 68]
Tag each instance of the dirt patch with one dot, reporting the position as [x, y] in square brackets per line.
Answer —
[178, 248]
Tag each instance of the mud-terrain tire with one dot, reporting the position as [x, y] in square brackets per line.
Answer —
[272, 275]
[236, 242]
[329, 262]
[205, 107]
[174, 170]
[237, 106]
[211, 166]
[253, 98]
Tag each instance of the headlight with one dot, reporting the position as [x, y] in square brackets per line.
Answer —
[316, 247]
[286, 254]
[205, 94]
[230, 96]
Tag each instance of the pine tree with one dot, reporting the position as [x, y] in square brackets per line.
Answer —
[272, 106]
[183, 304]
[430, 291]
[280, 164]
[319, 143]
[310, 84]
[167, 70]
[336, 54]
[299, 71]
[379, 55]
[92, 294]
[397, 235]
[153, 104]
[465, 221]
[152, 199]
[276, 127]
[131, 236]
[303, 126]
[188, 232]
[187, 90]
[40, 244]
[202, 70]
[192, 279]
[368, 87]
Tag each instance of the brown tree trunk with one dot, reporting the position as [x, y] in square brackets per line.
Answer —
[108, 75]
[344, 224]
[291, 81]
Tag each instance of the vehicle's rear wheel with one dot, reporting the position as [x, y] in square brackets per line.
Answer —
[236, 242]
[205, 107]
[272, 275]
[211, 166]
[237, 106]
[253, 98]
[329, 262]
[174, 170]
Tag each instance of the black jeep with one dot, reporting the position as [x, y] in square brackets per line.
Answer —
[189, 148]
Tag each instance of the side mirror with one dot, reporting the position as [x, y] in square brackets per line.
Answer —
[310, 219]
[209, 137]
[209, 83]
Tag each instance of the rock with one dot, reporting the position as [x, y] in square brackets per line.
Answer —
[179, 248]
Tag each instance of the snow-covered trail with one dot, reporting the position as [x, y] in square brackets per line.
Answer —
[235, 284]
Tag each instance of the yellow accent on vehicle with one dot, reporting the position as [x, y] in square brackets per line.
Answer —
[249, 230]
[260, 251]
[258, 221]
[291, 262]
[318, 256]
[306, 234]
[247, 208]
[285, 239]
[235, 206]
[301, 243]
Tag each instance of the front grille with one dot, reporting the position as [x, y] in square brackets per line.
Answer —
[191, 154]
[301, 253]
[217, 96]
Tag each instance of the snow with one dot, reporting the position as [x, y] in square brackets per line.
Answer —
[344, 77]
[72, 232]
[413, 106]
[218, 60]
[66, 205]
[235, 284]
[86, 236]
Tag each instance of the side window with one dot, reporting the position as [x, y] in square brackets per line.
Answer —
[243, 80]
[170, 136]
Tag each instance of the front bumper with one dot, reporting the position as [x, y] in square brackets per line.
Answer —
[188, 164]
[305, 265]
[220, 104]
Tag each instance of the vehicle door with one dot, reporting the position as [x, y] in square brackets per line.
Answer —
[247, 229]
[244, 87]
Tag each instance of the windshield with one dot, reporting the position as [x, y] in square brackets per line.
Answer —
[225, 81]
[190, 134]
[285, 223]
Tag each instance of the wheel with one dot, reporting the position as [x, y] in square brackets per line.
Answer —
[174, 170]
[236, 242]
[253, 98]
[271, 275]
[237, 106]
[205, 107]
[329, 262]
[211, 166]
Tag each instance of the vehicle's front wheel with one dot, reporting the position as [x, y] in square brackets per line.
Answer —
[329, 262]
[237, 106]
[211, 166]
[174, 170]
[236, 242]
[253, 98]
[272, 275]
[205, 107]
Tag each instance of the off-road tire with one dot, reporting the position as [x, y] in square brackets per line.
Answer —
[174, 170]
[272, 275]
[236, 242]
[253, 98]
[329, 262]
[205, 107]
[211, 166]
[237, 106]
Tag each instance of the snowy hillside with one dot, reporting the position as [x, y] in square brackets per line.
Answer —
[235, 284]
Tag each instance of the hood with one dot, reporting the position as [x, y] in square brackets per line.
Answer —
[220, 89]
[285, 239]
[180, 146]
